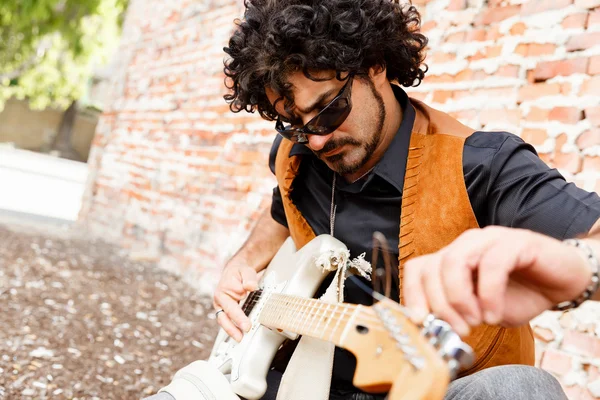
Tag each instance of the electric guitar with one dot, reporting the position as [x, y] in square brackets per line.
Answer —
[393, 354]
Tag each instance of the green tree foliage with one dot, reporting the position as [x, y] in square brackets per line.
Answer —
[49, 48]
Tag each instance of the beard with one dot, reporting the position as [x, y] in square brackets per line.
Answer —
[366, 147]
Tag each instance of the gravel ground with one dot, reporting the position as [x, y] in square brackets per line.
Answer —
[79, 320]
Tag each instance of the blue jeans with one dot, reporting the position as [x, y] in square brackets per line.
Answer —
[514, 382]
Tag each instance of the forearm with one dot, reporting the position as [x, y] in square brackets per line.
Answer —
[265, 239]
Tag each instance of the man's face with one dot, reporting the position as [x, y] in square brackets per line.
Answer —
[349, 147]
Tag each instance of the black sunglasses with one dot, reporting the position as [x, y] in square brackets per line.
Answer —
[328, 120]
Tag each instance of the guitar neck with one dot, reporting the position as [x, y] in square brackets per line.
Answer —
[309, 317]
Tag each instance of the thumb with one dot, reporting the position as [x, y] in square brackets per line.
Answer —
[249, 278]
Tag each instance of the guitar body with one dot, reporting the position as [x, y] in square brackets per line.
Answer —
[290, 272]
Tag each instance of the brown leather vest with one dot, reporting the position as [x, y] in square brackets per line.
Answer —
[435, 210]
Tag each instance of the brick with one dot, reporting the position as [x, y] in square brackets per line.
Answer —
[581, 343]
[534, 136]
[543, 334]
[539, 6]
[456, 5]
[496, 14]
[591, 87]
[566, 88]
[522, 49]
[462, 19]
[594, 66]
[537, 90]
[439, 57]
[512, 117]
[480, 75]
[493, 33]
[509, 71]
[476, 35]
[575, 21]
[586, 394]
[518, 29]
[493, 51]
[593, 19]
[566, 320]
[540, 49]
[550, 69]
[429, 25]
[573, 392]
[505, 93]
[570, 162]
[488, 52]
[537, 114]
[457, 37]
[569, 115]
[441, 96]
[592, 114]
[464, 75]
[583, 41]
[560, 141]
[444, 78]
[588, 138]
[556, 361]
[464, 115]
[418, 95]
[593, 372]
[591, 164]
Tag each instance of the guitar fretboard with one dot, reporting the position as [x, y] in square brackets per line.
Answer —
[309, 317]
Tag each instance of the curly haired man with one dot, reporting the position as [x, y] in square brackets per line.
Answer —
[354, 154]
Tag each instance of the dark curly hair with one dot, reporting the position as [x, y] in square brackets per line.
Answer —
[278, 37]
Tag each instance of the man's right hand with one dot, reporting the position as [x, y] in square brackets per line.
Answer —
[236, 281]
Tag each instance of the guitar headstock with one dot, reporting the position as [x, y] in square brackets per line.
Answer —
[394, 355]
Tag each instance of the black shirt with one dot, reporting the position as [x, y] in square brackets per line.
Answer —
[506, 181]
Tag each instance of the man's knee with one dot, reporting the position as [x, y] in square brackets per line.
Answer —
[512, 382]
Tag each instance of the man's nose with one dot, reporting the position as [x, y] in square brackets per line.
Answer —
[316, 142]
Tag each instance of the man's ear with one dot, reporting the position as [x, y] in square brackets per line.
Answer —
[378, 75]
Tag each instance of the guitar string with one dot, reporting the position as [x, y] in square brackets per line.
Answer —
[363, 316]
[284, 308]
[337, 307]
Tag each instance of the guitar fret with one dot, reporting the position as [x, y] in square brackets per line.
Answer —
[307, 315]
[320, 313]
[297, 314]
[328, 321]
[349, 324]
[302, 315]
[337, 324]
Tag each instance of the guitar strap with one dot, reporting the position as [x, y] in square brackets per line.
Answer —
[308, 374]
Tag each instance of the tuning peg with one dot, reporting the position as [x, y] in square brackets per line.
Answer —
[457, 353]
[441, 335]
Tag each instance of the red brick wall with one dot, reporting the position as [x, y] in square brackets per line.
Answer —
[176, 175]
[530, 67]
[178, 178]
